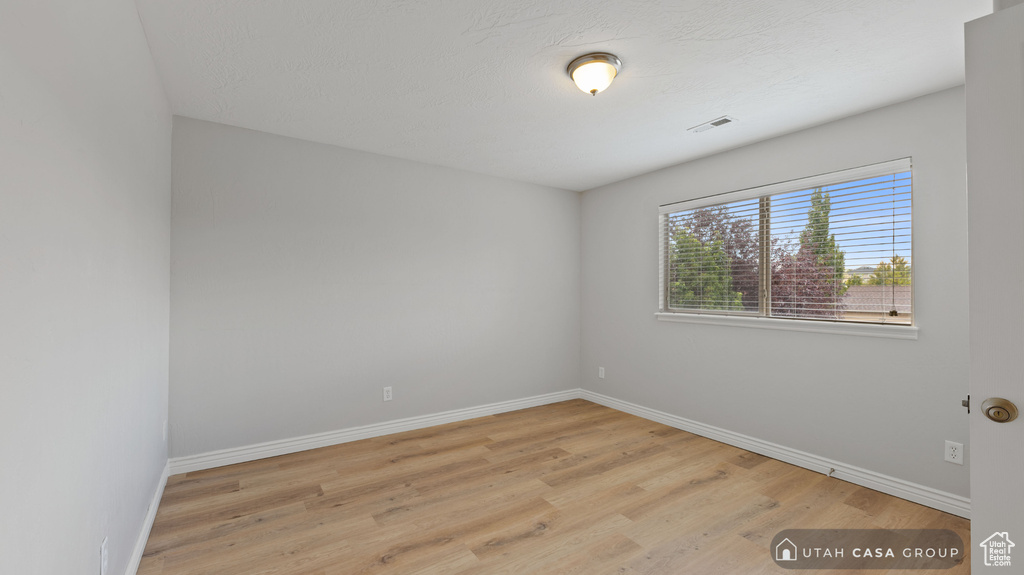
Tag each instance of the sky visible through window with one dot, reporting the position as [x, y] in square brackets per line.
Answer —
[871, 218]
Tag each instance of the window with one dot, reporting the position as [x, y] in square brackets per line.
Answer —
[835, 247]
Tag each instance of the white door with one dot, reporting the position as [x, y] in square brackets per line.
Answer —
[995, 194]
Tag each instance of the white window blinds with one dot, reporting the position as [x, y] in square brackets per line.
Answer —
[835, 247]
[714, 258]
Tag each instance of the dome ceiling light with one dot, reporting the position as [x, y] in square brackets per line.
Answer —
[594, 72]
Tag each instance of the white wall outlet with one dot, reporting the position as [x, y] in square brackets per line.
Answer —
[387, 393]
[600, 372]
[103, 557]
[955, 452]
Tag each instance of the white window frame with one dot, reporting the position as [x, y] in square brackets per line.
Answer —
[895, 331]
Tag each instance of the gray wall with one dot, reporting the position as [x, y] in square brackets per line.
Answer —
[881, 404]
[306, 277]
[85, 181]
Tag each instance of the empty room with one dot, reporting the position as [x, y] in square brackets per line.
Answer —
[332, 287]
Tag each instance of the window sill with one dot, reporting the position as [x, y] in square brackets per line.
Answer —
[843, 328]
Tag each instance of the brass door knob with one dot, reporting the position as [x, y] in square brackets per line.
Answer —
[999, 410]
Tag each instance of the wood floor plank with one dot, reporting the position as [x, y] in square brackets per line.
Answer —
[567, 488]
[167, 540]
[560, 546]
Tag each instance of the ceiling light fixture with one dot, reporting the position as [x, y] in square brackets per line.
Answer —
[594, 72]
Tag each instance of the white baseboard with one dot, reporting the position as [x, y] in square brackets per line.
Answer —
[273, 448]
[917, 493]
[147, 524]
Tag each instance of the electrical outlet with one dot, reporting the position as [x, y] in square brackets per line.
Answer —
[600, 372]
[387, 393]
[103, 557]
[955, 452]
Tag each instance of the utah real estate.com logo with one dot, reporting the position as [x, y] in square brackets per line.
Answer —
[997, 549]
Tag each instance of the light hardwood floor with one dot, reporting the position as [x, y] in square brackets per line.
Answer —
[572, 487]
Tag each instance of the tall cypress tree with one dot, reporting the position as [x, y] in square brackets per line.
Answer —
[817, 238]
[809, 281]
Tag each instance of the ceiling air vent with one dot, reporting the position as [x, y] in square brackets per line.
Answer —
[723, 121]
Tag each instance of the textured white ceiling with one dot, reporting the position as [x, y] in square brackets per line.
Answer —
[481, 84]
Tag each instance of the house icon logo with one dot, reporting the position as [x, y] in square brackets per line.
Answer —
[997, 549]
[785, 551]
